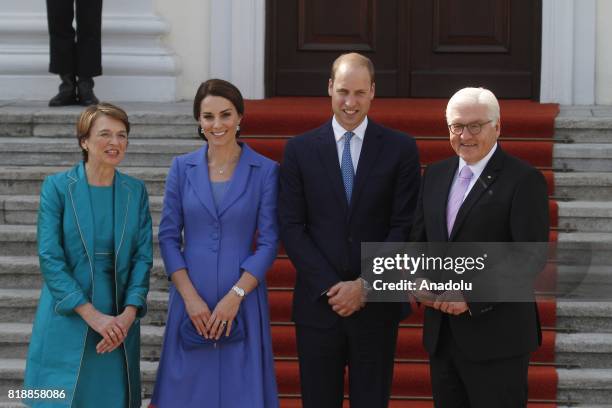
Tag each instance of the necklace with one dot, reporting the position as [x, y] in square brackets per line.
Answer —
[221, 169]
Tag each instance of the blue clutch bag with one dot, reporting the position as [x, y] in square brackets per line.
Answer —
[191, 339]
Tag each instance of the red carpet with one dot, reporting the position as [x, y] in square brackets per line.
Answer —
[289, 402]
[266, 127]
[419, 117]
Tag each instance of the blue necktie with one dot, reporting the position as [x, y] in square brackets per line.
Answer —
[348, 172]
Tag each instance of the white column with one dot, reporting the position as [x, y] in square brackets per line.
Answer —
[568, 52]
[603, 93]
[237, 44]
[135, 65]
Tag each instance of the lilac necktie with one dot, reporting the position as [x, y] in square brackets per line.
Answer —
[455, 199]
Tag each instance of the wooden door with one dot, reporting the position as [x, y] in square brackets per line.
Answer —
[421, 48]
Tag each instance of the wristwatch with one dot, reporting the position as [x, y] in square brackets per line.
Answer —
[238, 291]
[366, 285]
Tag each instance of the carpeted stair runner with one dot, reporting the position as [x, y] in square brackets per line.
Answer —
[527, 130]
[419, 117]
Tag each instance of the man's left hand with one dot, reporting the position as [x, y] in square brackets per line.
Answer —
[451, 302]
[347, 297]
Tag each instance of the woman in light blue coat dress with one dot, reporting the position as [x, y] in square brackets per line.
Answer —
[95, 250]
[219, 201]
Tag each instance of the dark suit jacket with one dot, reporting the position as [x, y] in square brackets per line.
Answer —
[322, 233]
[509, 203]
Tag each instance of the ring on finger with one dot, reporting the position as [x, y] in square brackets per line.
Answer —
[224, 322]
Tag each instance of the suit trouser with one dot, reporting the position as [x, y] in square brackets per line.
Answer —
[461, 383]
[368, 351]
[79, 54]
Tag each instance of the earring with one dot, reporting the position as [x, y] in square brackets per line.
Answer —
[201, 131]
[238, 128]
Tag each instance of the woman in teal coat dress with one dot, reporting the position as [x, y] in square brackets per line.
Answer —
[95, 250]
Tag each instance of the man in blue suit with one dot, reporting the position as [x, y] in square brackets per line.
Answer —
[344, 183]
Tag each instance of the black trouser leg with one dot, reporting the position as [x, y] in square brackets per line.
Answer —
[322, 354]
[62, 48]
[89, 38]
[461, 383]
[371, 360]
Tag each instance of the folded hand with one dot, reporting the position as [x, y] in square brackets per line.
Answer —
[347, 297]
[124, 321]
[199, 314]
[223, 316]
[451, 302]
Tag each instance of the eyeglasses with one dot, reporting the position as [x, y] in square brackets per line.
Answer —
[474, 128]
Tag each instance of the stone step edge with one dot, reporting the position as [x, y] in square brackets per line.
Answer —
[598, 237]
[582, 150]
[583, 379]
[567, 209]
[153, 335]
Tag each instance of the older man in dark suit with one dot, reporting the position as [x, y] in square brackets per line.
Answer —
[479, 350]
[349, 181]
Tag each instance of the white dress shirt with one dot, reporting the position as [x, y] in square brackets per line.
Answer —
[477, 169]
[356, 140]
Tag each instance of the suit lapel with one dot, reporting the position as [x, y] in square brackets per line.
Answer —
[484, 183]
[328, 153]
[240, 178]
[372, 145]
[81, 206]
[121, 205]
[198, 177]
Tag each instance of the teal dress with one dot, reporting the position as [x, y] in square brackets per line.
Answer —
[103, 377]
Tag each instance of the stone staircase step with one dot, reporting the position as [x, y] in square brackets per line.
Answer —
[584, 282]
[26, 180]
[585, 248]
[586, 216]
[583, 186]
[23, 209]
[22, 272]
[147, 120]
[590, 125]
[20, 240]
[19, 306]
[590, 157]
[65, 152]
[588, 386]
[584, 317]
[586, 350]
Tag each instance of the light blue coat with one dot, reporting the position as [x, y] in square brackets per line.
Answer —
[65, 247]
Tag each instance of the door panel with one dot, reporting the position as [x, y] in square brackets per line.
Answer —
[420, 48]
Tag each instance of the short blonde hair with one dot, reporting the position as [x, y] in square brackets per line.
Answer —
[356, 59]
[91, 114]
[476, 96]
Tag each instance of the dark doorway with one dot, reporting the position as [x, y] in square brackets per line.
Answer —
[421, 48]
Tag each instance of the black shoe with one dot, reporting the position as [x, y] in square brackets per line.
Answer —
[86, 93]
[67, 92]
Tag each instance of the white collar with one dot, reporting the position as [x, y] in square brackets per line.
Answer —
[478, 167]
[358, 132]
